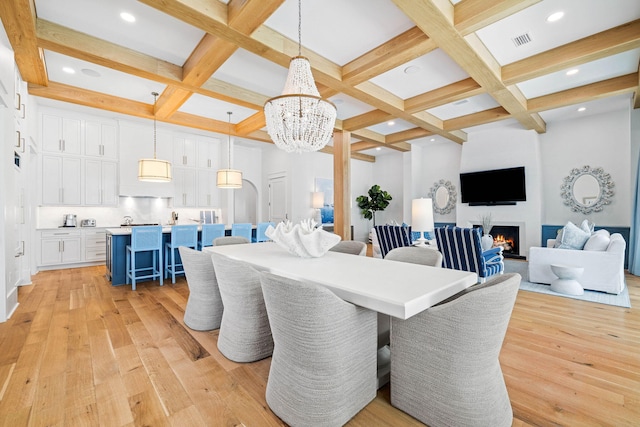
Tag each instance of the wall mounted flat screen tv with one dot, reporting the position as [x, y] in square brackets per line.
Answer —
[493, 187]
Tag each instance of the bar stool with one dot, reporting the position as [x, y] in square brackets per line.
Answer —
[181, 235]
[242, 229]
[209, 233]
[144, 239]
[261, 227]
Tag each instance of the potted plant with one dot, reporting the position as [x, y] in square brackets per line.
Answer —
[377, 200]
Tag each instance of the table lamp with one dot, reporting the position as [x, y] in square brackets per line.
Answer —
[317, 202]
[421, 219]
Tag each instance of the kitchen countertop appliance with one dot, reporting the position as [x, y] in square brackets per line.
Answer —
[90, 222]
[70, 220]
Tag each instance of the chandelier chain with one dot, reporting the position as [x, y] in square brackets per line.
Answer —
[155, 100]
[299, 27]
[229, 139]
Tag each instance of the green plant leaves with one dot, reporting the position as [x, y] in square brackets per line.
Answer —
[377, 200]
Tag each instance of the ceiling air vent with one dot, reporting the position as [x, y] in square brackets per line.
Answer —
[462, 101]
[521, 39]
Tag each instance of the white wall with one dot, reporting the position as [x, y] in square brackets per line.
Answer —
[439, 160]
[598, 141]
[388, 174]
[505, 148]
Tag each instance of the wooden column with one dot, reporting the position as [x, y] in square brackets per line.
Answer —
[342, 184]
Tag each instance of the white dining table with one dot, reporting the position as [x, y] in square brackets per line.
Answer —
[395, 288]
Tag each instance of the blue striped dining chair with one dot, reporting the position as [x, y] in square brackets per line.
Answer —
[392, 236]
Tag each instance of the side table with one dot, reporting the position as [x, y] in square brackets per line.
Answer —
[567, 282]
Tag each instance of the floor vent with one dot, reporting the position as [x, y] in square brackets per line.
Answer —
[522, 39]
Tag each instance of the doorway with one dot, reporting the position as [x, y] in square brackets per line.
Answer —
[278, 198]
[245, 203]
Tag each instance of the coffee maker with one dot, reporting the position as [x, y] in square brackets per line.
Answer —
[69, 220]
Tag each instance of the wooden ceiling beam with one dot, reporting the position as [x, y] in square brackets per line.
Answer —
[636, 95]
[610, 42]
[450, 93]
[401, 49]
[480, 118]
[590, 92]
[407, 135]
[364, 145]
[436, 19]
[19, 19]
[472, 15]
[365, 120]
[357, 156]
[251, 124]
[247, 16]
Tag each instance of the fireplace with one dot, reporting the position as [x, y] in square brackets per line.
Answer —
[507, 236]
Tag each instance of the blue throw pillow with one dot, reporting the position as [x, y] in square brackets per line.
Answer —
[573, 237]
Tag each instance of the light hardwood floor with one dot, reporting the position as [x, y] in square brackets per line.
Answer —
[81, 352]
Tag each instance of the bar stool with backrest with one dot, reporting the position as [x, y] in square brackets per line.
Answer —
[242, 229]
[261, 227]
[144, 239]
[209, 233]
[181, 235]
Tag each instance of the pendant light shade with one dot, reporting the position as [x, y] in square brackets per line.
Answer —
[154, 170]
[229, 178]
[299, 119]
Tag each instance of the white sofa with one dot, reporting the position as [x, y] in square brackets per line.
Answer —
[603, 270]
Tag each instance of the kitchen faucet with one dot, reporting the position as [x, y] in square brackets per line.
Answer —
[128, 220]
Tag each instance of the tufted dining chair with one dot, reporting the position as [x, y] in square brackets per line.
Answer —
[323, 369]
[445, 368]
[230, 240]
[245, 335]
[204, 305]
[350, 247]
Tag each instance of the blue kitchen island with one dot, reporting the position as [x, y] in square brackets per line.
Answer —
[117, 241]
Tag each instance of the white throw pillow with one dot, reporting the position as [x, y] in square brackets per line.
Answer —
[599, 241]
[587, 226]
[573, 237]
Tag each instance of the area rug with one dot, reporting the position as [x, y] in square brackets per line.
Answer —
[522, 268]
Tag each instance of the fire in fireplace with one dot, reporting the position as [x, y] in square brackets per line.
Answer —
[508, 237]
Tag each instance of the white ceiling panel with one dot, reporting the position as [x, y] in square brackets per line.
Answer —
[464, 107]
[582, 18]
[341, 30]
[393, 126]
[420, 75]
[348, 106]
[204, 106]
[154, 33]
[601, 106]
[107, 81]
[591, 72]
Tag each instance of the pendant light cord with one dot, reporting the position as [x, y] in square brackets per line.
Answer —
[229, 139]
[299, 27]
[155, 99]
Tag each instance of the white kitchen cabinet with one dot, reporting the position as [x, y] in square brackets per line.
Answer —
[184, 151]
[185, 187]
[60, 247]
[61, 180]
[100, 183]
[95, 248]
[208, 152]
[100, 139]
[207, 191]
[61, 134]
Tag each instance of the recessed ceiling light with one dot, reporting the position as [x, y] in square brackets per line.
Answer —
[68, 70]
[581, 109]
[89, 72]
[411, 69]
[378, 148]
[572, 72]
[391, 123]
[555, 17]
[432, 139]
[126, 16]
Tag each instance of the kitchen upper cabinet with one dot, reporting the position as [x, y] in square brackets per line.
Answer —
[136, 142]
[60, 247]
[207, 191]
[61, 180]
[184, 151]
[61, 134]
[185, 187]
[100, 183]
[208, 152]
[100, 139]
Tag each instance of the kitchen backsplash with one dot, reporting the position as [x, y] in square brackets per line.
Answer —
[142, 210]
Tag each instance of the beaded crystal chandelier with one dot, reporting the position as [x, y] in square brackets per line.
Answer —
[299, 119]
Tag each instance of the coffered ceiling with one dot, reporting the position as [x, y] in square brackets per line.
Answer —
[399, 71]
